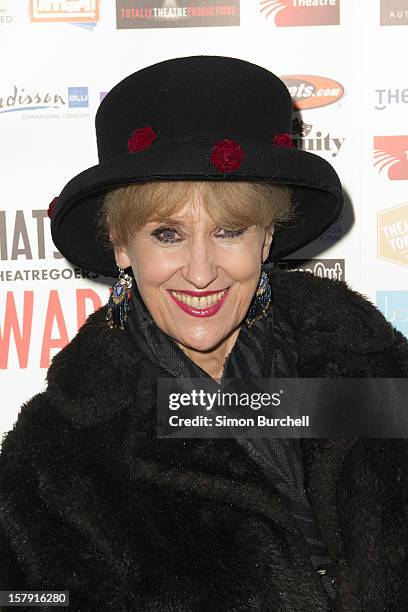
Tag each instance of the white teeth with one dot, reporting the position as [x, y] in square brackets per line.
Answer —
[198, 302]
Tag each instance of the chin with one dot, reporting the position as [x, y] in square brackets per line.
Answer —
[202, 344]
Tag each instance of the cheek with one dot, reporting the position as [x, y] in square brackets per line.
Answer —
[243, 262]
[152, 266]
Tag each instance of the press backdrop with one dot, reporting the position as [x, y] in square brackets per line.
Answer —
[343, 62]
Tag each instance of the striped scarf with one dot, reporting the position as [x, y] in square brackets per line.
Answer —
[267, 349]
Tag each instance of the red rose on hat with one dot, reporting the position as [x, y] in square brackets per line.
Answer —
[283, 140]
[51, 206]
[227, 155]
[142, 138]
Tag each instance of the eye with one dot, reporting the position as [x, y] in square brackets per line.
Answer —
[228, 234]
[165, 234]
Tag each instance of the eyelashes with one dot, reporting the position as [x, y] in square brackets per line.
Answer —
[165, 234]
[162, 234]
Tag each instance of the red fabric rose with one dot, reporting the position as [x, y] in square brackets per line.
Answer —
[51, 207]
[227, 155]
[142, 138]
[283, 140]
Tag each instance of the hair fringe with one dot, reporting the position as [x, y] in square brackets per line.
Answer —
[233, 205]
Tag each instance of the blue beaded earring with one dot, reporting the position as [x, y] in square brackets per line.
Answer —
[262, 299]
[118, 304]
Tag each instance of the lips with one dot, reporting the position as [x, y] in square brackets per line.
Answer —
[198, 293]
[199, 303]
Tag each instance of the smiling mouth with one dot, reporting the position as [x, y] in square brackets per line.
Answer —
[195, 301]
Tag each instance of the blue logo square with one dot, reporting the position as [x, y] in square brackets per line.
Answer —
[78, 97]
[394, 306]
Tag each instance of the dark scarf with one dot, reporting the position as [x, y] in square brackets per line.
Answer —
[267, 349]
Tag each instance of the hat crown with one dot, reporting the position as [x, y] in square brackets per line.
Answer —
[196, 118]
[194, 96]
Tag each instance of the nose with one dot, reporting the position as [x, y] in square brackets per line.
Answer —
[201, 268]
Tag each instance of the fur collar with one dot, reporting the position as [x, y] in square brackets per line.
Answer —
[339, 333]
[98, 381]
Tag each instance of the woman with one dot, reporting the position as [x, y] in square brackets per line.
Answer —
[198, 187]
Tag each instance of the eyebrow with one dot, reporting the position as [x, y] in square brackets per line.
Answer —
[167, 220]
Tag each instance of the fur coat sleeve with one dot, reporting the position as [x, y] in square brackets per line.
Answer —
[93, 503]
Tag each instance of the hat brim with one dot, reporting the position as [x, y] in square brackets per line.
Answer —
[315, 185]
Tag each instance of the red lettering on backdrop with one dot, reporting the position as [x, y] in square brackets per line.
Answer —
[82, 295]
[54, 312]
[22, 340]
[19, 324]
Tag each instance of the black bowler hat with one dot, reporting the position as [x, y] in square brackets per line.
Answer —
[196, 118]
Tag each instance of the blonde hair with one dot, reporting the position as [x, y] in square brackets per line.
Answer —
[231, 204]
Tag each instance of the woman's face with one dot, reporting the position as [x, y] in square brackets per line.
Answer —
[183, 264]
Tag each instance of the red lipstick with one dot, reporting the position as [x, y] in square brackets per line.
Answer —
[200, 312]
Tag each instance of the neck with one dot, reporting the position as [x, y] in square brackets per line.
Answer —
[213, 360]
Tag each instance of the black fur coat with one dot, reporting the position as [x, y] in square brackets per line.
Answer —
[91, 501]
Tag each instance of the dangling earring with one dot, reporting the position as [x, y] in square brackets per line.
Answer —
[118, 304]
[262, 299]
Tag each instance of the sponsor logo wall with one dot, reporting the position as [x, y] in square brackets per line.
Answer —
[391, 156]
[64, 10]
[7, 15]
[393, 234]
[394, 306]
[287, 13]
[324, 268]
[394, 12]
[311, 91]
[181, 14]
[338, 59]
